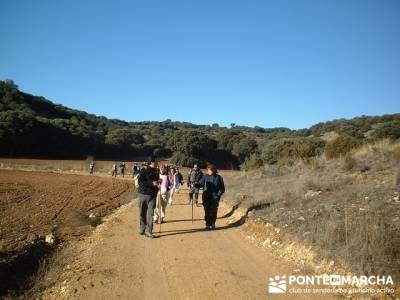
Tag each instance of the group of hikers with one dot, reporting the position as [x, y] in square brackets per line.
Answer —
[121, 166]
[157, 186]
[114, 169]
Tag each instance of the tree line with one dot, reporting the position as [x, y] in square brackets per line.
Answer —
[32, 126]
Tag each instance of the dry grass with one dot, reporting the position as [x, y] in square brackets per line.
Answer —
[349, 211]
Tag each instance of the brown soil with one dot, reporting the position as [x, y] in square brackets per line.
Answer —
[33, 204]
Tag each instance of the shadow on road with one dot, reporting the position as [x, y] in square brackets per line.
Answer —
[187, 231]
[185, 220]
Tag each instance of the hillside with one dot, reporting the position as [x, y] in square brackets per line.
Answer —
[32, 126]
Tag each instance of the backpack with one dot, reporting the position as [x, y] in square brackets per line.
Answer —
[193, 175]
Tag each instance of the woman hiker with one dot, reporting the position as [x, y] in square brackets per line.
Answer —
[176, 182]
[165, 186]
[213, 188]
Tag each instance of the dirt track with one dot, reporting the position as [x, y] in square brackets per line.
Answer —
[184, 262]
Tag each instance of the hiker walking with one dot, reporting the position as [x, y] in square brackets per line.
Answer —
[122, 168]
[213, 188]
[135, 170]
[176, 182]
[180, 179]
[148, 181]
[194, 176]
[161, 203]
[91, 167]
[114, 170]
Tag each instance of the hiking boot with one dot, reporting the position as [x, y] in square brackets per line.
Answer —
[212, 227]
[141, 232]
[149, 235]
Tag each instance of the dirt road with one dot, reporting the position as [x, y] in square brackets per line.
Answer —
[184, 262]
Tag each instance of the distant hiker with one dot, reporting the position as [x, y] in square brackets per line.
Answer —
[135, 170]
[180, 177]
[176, 182]
[114, 170]
[91, 167]
[165, 186]
[213, 188]
[147, 192]
[194, 176]
[122, 168]
[135, 174]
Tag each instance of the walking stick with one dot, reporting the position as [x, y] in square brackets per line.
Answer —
[192, 209]
[159, 210]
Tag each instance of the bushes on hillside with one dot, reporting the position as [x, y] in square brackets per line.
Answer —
[288, 150]
[301, 150]
[124, 137]
[32, 126]
[270, 151]
[254, 161]
[340, 146]
[389, 130]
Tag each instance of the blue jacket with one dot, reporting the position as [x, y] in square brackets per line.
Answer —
[213, 186]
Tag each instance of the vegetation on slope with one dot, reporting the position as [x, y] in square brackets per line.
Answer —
[32, 126]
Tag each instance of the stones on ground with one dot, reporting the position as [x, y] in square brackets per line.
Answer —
[267, 243]
[50, 239]
[312, 194]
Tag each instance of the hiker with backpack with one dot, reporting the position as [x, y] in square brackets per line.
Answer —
[114, 170]
[194, 176]
[213, 188]
[148, 187]
[135, 170]
[161, 203]
[176, 179]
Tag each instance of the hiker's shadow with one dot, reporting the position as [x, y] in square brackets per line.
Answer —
[187, 231]
[182, 220]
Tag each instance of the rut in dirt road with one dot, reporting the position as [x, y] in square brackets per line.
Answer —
[183, 262]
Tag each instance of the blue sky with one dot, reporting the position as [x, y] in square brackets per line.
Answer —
[267, 63]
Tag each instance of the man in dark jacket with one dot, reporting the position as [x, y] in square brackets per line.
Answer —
[148, 180]
[194, 176]
[213, 188]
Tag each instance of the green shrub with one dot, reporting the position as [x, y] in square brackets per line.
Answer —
[254, 161]
[182, 159]
[340, 146]
[301, 150]
[162, 152]
[390, 130]
[270, 151]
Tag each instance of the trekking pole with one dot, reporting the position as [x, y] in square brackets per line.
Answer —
[192, 209]
[159, 210]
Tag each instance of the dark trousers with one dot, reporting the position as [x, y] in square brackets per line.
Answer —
[210, 211]
[193, 191]
[147, 204]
